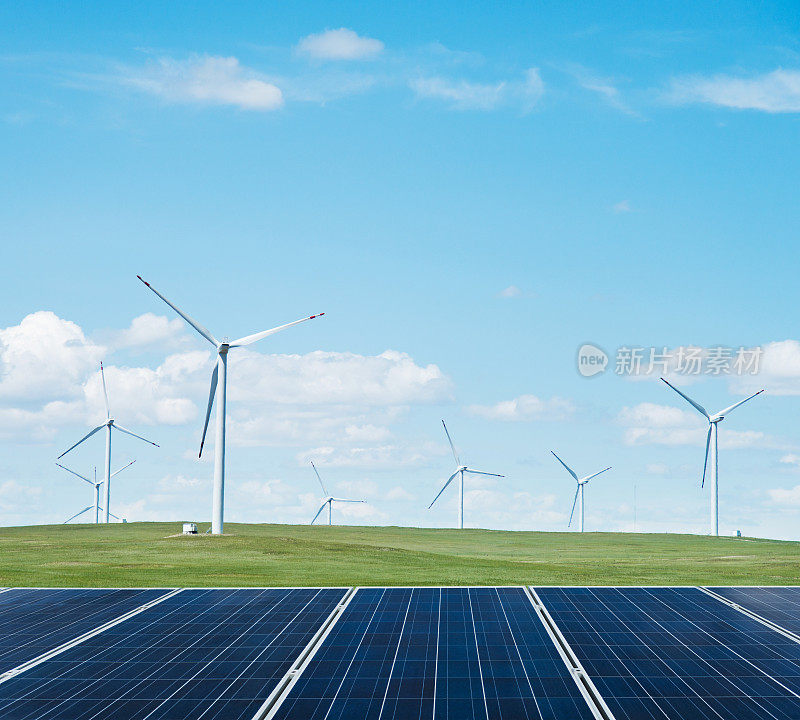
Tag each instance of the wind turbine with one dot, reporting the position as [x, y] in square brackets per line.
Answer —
[108, 424]
[219, 380]
[579, 489]
[712, 441]
[460, 470]
[96, 486]
[328, 500]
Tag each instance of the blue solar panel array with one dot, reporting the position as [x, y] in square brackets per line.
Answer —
[401, 653]
[457, 653]
[677, 653]
[35, 621]
[780, 605]
[202, 653]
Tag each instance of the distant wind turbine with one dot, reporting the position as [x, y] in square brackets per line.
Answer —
[96, 486]
[219, 378]
[712, 445]
[578, 490]
[108, 424]
[460, 470]
[329, 500]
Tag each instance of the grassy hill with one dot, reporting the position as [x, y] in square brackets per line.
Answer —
[148, 554]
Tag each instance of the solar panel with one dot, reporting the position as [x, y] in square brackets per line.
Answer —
[33, 621]
[780, 605]
[201, 653]
[677, 653]
[458, 653]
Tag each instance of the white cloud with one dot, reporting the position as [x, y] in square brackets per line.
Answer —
[782, 496]
[49, 376]
[652, 424]
[207, 79]
[791, 459]
[400, 493]
[358, 489]
[774, 92]
[341, 44]
[466, 95]
[512, 291]
[525, 408]
[148, 330]
[45, 357]
[657, 469]
[778, 370]
[377, 456]
[622, 207]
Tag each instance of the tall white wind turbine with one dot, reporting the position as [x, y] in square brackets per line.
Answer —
[578, 490]
[329, 500]
[96, 485]
[712, 445]
[460, 470]
[108, 425]
[219, 381]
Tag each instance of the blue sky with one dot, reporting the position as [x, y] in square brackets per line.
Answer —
[469, 194]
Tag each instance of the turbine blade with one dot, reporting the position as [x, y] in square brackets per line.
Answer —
[212, 393]
[449, 480]
[321, 508]
[75, 474]
[345, 500]
[478, 472]
[577, 490]
[567, 467]
[91, 507]
[85, 437]
[105, 391]
[586, 479]
[695, 405]
[196, 325]
[255, 337]
[705, 462]
[321, 484]
[735, 405]
[122, 468]
[452, 447]
[128, 432]
[114, 516]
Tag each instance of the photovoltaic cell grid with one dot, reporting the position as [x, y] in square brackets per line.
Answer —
[780, 605]
[455, 653]
[677, 653]
[33, 621]
[200, 654]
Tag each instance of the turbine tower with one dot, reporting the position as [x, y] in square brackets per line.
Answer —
[578, 490]
[712, 445]
[460, 470]
[96, 485]
[108, 425]
[329, 500]
[219, 381]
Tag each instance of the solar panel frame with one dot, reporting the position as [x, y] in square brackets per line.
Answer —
[149, 666]
[378, 661]
[677, 652]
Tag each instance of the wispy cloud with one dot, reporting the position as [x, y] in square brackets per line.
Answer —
[525, 408]
[774, 92]
[341, 44]
[468, 95]
[206, 79]
[623, 206]
[512, 291]
[605, 87]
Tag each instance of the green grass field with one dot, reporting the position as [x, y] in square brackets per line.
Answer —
[147, 554]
